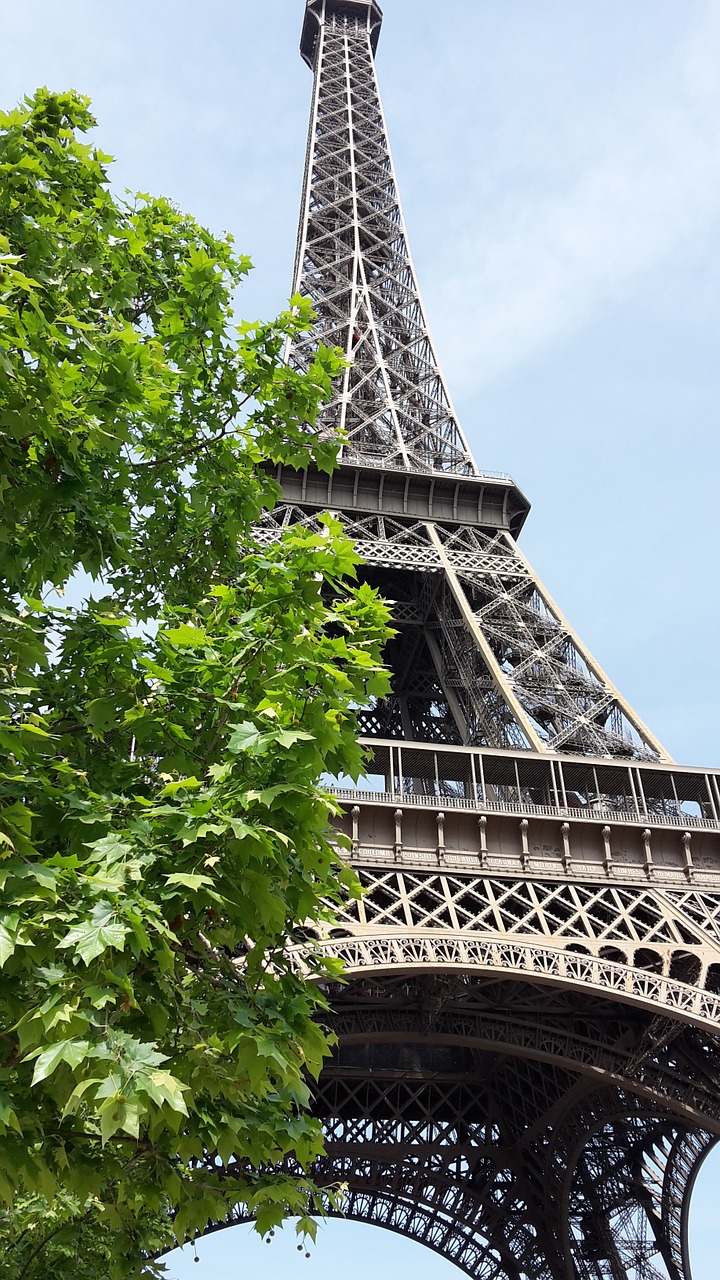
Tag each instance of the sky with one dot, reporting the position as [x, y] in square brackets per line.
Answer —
[559, 164]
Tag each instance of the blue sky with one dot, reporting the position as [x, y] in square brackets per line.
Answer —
[559, 164]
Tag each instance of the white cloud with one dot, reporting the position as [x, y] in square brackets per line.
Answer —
[641, 180]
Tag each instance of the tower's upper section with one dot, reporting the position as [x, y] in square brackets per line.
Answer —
[364, 12]
[354, 263]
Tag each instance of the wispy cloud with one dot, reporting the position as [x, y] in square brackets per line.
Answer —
[641, 181]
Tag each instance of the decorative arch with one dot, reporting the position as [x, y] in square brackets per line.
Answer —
[441, 1218]
[388, 951]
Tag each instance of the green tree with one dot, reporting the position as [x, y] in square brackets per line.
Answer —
[166, 857]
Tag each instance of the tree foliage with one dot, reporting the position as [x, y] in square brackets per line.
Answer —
[165, 847]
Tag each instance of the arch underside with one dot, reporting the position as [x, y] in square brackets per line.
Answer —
[527, 1072]
[521, 1129]
[635, 1230]
[568, 967]
[450, 1219]
[643, 1236]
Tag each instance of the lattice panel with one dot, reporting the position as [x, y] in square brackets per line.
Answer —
[381, 541]
[623, 1175]
[703, 909]
[495, 1219]
[445, 1224]
[569, 702]
[631, 918]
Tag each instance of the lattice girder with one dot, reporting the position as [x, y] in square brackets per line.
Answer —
[520, 676]
[621, 917]
[353, 261]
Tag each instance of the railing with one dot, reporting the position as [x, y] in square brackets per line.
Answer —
[411, 799]
[356, 457]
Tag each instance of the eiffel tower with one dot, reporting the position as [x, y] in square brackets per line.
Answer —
[527, 1075]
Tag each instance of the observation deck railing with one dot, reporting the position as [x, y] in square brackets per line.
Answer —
[408, 799]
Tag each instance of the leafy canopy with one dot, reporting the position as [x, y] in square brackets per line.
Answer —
[164, 841]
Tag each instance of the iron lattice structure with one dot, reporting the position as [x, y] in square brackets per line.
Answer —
[528, 1067]
[353, 261]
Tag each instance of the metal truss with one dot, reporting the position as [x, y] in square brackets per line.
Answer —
[527, 1075]
[485, 1135]
[616, 921]
[527, 1072]
[544, 962]
[504, 666]
[507, 1126]
[354, 263]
